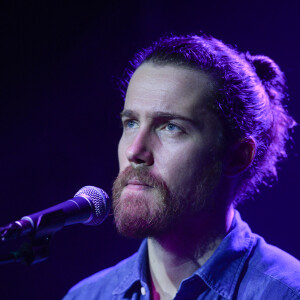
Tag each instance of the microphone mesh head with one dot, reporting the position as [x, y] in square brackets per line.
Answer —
[99, 201]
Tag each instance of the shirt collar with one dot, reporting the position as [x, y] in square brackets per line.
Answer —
[136, 269]
[223, 269]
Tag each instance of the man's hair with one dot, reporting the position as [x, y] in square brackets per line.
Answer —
[248, 96]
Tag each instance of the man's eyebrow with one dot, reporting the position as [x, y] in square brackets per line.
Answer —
[157, 115]
[170, 116]
[127, 113]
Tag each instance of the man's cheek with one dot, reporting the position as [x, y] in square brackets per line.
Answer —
[123, 162]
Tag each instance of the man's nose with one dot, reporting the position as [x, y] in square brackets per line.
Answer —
[140, 150]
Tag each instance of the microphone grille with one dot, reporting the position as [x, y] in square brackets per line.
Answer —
[99, 201]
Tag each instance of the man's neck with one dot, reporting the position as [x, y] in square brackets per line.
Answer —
[177, 255]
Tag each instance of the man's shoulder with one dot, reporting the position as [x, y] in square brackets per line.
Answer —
[275, 269]
[103, 282]
[274, 262]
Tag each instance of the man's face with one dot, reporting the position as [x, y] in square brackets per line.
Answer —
[168, 151]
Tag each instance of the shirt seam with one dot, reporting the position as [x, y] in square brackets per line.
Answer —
[209, 283]
[241, 265]
[249, 241]
[120, 287]
[295, 292]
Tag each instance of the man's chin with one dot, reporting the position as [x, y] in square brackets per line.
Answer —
[139, 214]
[139, 203]
[134, 232]
[139, 229]
[133, 227]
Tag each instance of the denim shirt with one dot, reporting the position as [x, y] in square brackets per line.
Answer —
[243, 266]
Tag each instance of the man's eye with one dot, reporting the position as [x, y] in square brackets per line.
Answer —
[172, 127]
[129, 124]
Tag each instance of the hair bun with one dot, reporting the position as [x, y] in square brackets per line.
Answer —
[265, 67]
[270, 75]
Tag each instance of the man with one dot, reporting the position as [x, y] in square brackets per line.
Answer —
[203, 126]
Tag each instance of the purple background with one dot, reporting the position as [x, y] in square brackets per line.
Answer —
[59, 117]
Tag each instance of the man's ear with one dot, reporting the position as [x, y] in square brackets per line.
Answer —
[240, 156]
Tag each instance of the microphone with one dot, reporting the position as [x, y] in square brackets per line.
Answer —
[89, 206]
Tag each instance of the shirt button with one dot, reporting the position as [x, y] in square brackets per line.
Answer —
[143, 291]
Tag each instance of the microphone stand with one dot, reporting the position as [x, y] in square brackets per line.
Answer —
[38, 249]
[29, 253]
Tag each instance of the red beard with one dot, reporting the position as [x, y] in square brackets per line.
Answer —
[145, 213]
[156, 210]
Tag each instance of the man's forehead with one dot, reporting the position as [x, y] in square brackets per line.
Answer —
[167, 88]
[170, 77]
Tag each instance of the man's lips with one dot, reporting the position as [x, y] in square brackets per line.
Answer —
[135, 184]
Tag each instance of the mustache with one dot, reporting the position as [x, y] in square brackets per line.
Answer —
[142, 174]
